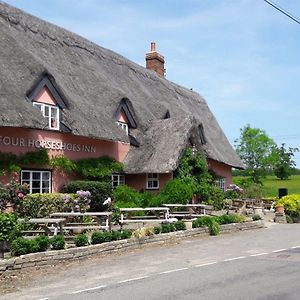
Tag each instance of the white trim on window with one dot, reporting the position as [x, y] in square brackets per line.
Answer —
[50, 112]
[152, 181]
[220, 183]
[123, 125]
[38, 181]
[117, 179]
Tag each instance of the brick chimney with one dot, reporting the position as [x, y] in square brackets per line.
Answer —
[155, 61]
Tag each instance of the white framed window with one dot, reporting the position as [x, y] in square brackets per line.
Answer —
[50, 112]
[152, 181]
[38, 181]
[124, 126]
[117, 179]
[220, 183]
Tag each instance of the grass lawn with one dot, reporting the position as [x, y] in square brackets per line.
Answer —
[272, 184]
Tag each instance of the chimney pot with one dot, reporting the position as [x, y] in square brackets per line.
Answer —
[153, 47]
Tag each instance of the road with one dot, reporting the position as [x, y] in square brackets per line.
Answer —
[258, 264]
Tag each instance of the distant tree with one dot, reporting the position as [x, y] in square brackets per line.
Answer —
[283, 161]
[255, 149]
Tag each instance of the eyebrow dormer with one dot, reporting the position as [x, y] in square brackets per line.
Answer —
[45, 97]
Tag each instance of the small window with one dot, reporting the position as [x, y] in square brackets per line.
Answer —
[117, 179]
[152, 181]
[38, 181]
[124, 126]
[50, 112]
[220, 183]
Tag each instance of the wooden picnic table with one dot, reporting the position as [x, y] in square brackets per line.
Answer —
[154, 214]
[70, 216]
[188, 210]
[49, 225]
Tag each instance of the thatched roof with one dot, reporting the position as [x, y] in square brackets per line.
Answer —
[92, 81]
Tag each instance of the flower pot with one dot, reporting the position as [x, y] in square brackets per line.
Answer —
[280, 209]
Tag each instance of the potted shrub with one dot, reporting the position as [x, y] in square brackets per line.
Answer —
[279, 208]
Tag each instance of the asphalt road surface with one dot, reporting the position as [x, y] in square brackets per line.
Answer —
[259, 264]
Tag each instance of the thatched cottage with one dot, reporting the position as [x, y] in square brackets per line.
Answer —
[64, 93]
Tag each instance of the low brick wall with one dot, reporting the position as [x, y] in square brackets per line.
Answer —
[49, 258]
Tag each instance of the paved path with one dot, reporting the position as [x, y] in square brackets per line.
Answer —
[245, 265]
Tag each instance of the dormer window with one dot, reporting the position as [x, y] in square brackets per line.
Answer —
[124, 116]
[46, 97]
[50, 112]
[124, 126]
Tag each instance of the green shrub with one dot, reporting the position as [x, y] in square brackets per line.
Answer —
[58, 242]
[180, 225]
[97, 237]
[99, 169]
[214, 227]
[177, 191]
[289, 219]
[215, 198]
[202, 221]
[256, 217]
[81, 240]
[165, 228]
[126, 196]
[157, 230]
[115, 235]
[10, 228]
[231, 218]
[126, 234]
[20, 246]
[253, 191]
[99, 191]
[43, 243]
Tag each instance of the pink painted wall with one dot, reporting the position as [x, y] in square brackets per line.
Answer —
[21, 140]
[45, 96]
[222, 170]
[139, 181]
[122, 117]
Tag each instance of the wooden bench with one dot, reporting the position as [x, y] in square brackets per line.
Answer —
[188, 211]
[154, 214]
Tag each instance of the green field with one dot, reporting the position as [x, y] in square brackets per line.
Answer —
[272, 184]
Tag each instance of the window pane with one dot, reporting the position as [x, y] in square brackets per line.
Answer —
[25, 175]
[35, 191]
[155, 184]
[46, 111]
[36, 175]
[45, 190]
[46, 175]
[54, 112]
[36, 184]
[39, 106]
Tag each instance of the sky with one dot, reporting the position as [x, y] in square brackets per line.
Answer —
[242, 56]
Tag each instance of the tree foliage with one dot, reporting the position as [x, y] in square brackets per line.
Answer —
[255, 148]
[283, 161]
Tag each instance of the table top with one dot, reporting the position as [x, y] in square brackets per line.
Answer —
[144, 209]
[46, 220]
[185, 205]
[78, 214]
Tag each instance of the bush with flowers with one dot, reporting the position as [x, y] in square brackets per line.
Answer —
[42, 205]
[13, 194]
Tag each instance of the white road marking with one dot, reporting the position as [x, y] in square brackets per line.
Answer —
[295, 247]
[279, 250]
[259, 254]
[206, 264]
[90, 289]
[133, 279]
[234, 258]
[172, 271]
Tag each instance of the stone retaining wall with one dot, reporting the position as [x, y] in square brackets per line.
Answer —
[49, 258]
